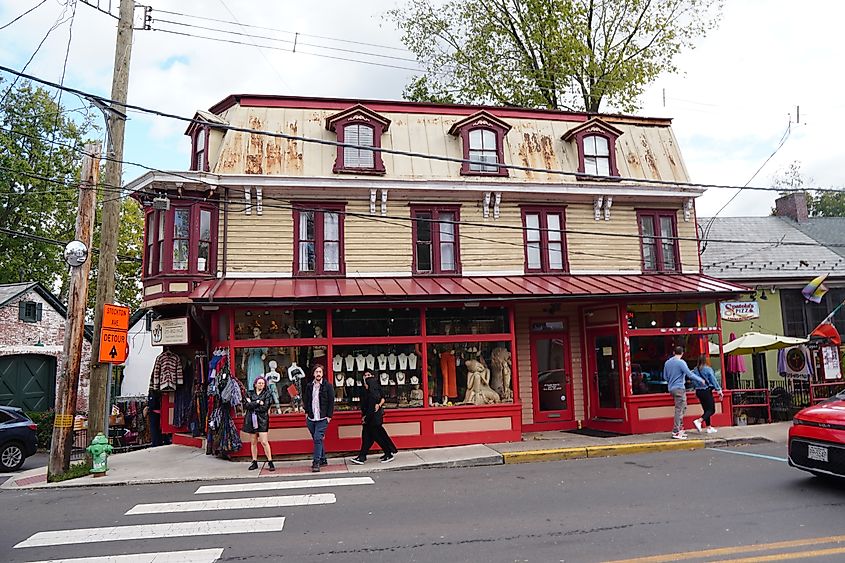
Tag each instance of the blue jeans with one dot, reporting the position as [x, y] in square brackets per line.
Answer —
[317, 428]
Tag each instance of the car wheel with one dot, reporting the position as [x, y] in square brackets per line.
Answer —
[11, 456]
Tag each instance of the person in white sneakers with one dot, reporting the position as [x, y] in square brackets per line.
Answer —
[675, 372]
[705, 395]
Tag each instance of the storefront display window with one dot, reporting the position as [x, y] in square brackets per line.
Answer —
[467, 320]
[284, 367]
[470, 373]
[665, 315]
[649, 353]
[375, 322]
[397, 367]
[279, 323]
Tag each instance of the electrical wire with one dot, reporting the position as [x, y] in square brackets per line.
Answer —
[4, 26]
[412, 154]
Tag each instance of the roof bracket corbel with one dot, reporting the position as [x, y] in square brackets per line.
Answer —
[597, 205]
[608, 202]
[688, 206]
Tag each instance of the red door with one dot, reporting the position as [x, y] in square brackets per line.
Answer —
[551, 377]
[604, 373]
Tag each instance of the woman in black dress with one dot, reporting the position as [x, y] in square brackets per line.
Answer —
[257, 421]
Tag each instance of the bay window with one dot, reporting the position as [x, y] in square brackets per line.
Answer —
[181, 240]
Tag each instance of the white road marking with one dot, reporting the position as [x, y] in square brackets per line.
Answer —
[280, 485]
[193, 556]
[154, 531]
[233, 504]
[749, 454]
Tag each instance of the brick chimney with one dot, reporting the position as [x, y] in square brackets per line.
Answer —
[794, 206]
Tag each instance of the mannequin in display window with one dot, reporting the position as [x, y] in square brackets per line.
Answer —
[500, 373]
[253, 360]
[273, 377]
[318, 353]
[478, 385]
[416, 393]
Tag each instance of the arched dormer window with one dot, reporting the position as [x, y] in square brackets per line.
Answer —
[199, 151]
[482, 137]
[596, 143]
[203, 126]
[363, 128]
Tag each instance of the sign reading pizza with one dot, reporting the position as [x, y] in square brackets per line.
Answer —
[736, 311]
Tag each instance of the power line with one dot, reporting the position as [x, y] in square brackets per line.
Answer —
[412, 154]
[38, 238]
[4, 26]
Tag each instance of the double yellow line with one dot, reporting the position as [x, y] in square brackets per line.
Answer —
[709, 554]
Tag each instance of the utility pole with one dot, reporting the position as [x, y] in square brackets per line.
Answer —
[68, 382]
[111, 215]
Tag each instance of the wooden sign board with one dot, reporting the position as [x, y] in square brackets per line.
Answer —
[115, 317]
[114, 346]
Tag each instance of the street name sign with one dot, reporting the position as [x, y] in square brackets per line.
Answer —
[115, 317]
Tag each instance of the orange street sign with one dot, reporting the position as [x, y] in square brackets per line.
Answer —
[115, 317]
[114, 346]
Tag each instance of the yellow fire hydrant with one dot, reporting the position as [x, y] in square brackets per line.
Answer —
[99, 450]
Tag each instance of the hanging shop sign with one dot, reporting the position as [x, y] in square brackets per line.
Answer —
[169, 332]
[736, 311]
[830, 355]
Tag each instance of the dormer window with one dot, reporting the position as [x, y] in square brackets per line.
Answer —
[596, 144]
[199, 160]
[482, 136]
[362, 128]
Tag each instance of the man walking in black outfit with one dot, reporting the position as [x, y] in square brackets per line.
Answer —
[372, 422]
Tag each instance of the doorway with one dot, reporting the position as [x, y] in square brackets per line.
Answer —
[604, 373]
[551, 377]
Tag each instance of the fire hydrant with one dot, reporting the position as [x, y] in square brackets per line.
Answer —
[99, 450]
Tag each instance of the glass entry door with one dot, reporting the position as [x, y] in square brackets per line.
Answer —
[552, 381]
[604, 375]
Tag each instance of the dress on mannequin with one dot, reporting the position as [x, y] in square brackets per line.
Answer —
[254, 360]
[448, 367]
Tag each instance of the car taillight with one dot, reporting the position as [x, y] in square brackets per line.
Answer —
[32, 426]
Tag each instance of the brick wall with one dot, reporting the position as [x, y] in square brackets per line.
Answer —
[19, 337]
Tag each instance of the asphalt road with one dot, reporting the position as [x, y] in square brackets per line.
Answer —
[38, 460]
[578, 510]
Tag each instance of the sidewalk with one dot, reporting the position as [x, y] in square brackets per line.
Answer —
[170, 464]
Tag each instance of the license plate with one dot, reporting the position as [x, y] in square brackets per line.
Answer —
[817, 453]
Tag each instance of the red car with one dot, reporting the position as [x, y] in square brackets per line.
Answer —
[817, 438]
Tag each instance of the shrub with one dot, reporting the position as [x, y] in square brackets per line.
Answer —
[44, 420]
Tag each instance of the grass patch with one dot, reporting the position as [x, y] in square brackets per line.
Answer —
[75, 471]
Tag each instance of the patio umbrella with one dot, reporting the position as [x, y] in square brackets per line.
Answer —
[756, 342]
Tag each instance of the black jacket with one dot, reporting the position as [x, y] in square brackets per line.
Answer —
[326, 399]
[260, 411]
[370, 397]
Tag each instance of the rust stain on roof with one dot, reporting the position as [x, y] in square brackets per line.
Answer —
[255, 150]
[649, 158]
[293, 156]
[231, 156]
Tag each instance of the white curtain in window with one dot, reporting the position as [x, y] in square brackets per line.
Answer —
[532, 235]
[361, 135]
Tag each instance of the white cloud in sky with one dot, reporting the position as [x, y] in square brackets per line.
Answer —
[730, 106]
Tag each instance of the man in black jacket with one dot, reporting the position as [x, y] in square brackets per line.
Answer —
[372, 422]
[318, 400]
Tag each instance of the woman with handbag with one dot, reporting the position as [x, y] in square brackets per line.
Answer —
[257, 421]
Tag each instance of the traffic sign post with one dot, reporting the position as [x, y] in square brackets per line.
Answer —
[114, 347]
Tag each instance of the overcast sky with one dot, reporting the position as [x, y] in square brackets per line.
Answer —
[731, 106]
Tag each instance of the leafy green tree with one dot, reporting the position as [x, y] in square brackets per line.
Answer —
[40, 160]
[573, 54]
[819, 204]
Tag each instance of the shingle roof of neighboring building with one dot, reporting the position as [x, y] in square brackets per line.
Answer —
[751, 260]
[829, 231]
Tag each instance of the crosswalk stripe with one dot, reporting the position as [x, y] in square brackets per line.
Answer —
[233, 504]
[193, 556]
[153, 531]
[280, 485]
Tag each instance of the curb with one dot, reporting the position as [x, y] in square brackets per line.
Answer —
[600, 451]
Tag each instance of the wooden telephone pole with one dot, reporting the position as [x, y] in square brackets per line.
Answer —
[68, 382]
[97, 408]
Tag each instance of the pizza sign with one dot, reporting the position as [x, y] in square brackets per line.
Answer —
[739, 310]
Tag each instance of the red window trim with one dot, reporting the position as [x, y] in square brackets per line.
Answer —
[203, 166]
[595, 127]
[358, 115]
[545, 268]
[482, 120]
[655, 214]
[435, 211]
[152, 217]
[320, 207]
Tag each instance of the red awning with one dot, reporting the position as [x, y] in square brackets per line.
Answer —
[481, 288]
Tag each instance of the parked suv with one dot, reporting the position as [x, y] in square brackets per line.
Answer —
[18, 440]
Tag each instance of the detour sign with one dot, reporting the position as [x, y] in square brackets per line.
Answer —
[114, 346]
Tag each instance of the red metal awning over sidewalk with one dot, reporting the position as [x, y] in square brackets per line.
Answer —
[458, 288]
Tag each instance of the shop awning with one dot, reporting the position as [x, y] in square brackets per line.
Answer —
[463, 288]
